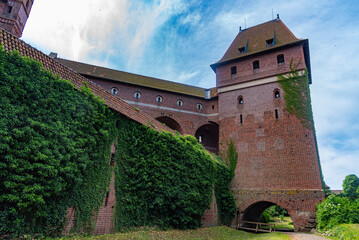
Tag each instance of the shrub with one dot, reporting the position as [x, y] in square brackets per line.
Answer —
[351, 186]
[336, 210]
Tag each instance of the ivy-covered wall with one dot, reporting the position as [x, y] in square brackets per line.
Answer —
[55, 153]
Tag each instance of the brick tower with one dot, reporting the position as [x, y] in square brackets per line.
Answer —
[14, 14]
[278, 158]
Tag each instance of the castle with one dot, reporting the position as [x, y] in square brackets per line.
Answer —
[278, 159]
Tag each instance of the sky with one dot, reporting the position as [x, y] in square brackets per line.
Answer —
[177, 40]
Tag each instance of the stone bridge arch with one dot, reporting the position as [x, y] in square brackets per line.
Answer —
[300, 205]
[171, 123]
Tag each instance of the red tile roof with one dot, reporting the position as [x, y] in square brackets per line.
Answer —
[254, 39]
[11, 43]
[125, 77]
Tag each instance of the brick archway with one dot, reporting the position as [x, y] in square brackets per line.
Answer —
[171, 123]
[208, 135]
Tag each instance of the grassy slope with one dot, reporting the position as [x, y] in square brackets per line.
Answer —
[202, 233]
[344, 232]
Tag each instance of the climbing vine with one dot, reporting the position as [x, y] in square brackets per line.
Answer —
[297, 94]
[54, 144]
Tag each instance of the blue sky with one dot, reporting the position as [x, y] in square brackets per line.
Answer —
[177, 40]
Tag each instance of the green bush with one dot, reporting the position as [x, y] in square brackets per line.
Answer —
[337, 210]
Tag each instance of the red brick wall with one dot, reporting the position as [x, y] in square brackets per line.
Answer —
[210, 216]
[104, 222]
[277, 157]
[189, 122]
[268, 66]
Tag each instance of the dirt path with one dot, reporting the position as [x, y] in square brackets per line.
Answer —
[304, 236]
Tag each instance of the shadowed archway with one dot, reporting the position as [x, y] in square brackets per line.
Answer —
[208, 136]
[171, 123]
[254, 214]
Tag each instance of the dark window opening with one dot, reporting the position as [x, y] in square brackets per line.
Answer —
[233, 70]
[240, 119]
[270, 42]
[179, 102]
[240, 100]
[256, 65]
[276, 114]
[276, 94]
[112, 162]
[212, 106]
[241, 50]
[280, 58]
[27, 3]
[159, 99]
[199, 106]
[106, 199]
[8, 9]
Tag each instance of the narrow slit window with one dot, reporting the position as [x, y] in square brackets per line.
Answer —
[276, 113]
[213, 107]
[255, 65]
[240, 100]
[280, 58]
[276, 93]
[240, 118]
[106, 199]
[233, 70]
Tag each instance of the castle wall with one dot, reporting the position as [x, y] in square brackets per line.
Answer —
[268, 66]
[189, 117]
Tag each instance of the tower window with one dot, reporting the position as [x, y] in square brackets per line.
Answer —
[240, 100]
[256, 65]
[241, 50]
[213, 107]
[199, 106]
[27, 3]
[180, 102]
[137, 95]
[280, 58]
[114, 90]
[276, 113]
[233, 70]
[8, 9]
[240, 119]
[159, 99]
[270, 42]
[276, 93]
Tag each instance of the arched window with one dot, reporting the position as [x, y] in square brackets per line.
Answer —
[159, 99]
[240, 100]
[276, 93]
[137, 94]
[199, 106]
[180, 102]
[114, 90]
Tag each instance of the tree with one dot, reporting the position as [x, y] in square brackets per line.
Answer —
[350, 186]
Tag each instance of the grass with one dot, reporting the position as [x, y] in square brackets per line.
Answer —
[286, 223]
[219, 233]
[344, 232]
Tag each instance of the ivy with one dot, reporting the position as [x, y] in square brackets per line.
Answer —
[297, 94]
[54, 149]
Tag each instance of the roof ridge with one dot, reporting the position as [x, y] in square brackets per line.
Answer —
[135, 74]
